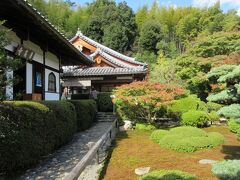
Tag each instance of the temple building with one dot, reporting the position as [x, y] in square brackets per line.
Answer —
[41, 48]
[109, 69]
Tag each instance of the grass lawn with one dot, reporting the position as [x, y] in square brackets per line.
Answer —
[134, 149]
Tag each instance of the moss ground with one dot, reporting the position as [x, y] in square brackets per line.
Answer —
[134, 149]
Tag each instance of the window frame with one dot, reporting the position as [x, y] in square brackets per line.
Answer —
[52, 81]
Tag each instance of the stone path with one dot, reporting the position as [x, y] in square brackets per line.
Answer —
[60, 164]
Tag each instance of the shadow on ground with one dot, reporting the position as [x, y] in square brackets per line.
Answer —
[231, 152]
[121, 135]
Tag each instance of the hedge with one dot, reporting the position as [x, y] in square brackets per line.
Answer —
[105, 102]
[145, 126]
[195, 118]
[85, 110]
[168, 175]
[30, 130]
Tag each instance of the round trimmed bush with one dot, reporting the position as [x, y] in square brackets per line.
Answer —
[227, 170]
[168, 175]
[195, 118]
[187, 139]
[158, 134]
[144, 126]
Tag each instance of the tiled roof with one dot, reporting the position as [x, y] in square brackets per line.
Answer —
[113, 59]
[106, 49]
[101, 71]
[54, 29]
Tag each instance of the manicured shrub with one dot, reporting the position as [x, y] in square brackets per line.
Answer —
[186, 104]
[227, 170]
[105, 102]
[168, 175]
[188, 139]
[234, 126]
[187, 131]
[79, 96]
[213, 116]
[195, 118]
[30, 130]
[211, 106]
[232, 111]
[144, 126]
[86, 111]
[157, 135]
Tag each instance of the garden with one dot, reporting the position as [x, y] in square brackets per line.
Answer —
[176, 134]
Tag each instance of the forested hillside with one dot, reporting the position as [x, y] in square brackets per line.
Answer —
[180, 44]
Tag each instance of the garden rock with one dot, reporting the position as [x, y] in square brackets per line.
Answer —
[142, 170]
[206, 161]
[127, 125]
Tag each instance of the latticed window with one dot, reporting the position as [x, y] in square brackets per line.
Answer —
[51, 82]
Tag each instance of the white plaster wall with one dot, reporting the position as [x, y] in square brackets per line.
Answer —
[38, 52]
[52, 96]
[9, 88]
[29, 80]
[51, 60]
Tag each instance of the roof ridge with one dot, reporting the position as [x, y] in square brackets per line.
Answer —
[106, 49]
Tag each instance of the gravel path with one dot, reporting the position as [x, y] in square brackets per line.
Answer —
[60, 164]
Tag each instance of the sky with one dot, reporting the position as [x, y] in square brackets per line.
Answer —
[135, 4]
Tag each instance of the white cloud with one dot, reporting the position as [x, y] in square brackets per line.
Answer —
[209, 3]
[233, 4]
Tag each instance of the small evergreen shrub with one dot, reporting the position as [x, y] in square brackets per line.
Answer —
[168, 175]
[104, 102]
[227, 170]
[232, 111]
[185, 104]
[158, 135]
[213, 116]
[234, 126]
[211, 106]
[144, 126]
[195, 118]
[86, 111]
[187, 139]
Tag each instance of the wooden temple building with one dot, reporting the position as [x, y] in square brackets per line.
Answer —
[109, 69]
[42, 50]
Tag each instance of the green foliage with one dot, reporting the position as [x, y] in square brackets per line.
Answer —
[186, 104]
[213, 116]
[104, 102]
[234, 126]
[30, 130]
[189, 139]
[85, 111]
[144, 126]
[232, 111]
[195, 118]
[7, 64]
[150, 35]
[158, 135]
[216, 44]
[217, 72]
[227, 170]
[79, 96]
[168, 175]
[213, 106]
